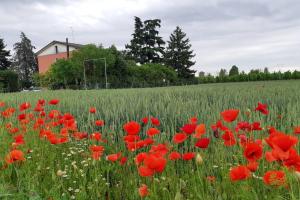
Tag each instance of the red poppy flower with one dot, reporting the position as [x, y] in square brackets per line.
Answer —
[155, 121]
[139, 158]
[252, 166]
[281, 144]
[255, 126]
[99, 122]
[145, 171]
[174, 155]
[239, 173]
[152, 131]
[145, 120]
[113, 157]
[2, 104]
[245, 126]
[96, 136]
[24, 106]
[229, 139]
[189, 128]
[193, 120]
[230, 115]
[123, 160]
[253, 151]
[274, 178]
[132, 128]
[202, 143]
[188, 156]
[53, 101]
[199, 131]
[19, 139]
[13, 156]
[143, 191]
[41, 102]
[155, 162]
[179, 138]
[92, 110]
[297, 130]
[262, 108]
[97, 151]
[21, 116]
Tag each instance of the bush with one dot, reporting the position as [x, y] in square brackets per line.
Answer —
[9, 81]
[151, 75]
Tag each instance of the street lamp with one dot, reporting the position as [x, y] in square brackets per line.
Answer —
[105, 73]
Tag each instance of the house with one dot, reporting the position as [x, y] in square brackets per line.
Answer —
[53, 51]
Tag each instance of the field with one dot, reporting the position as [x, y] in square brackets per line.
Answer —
[74, 170]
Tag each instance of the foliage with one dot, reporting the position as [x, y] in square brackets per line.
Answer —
[67, 171]
[4, 56]
[234, 71]
[146, 45]
[8, 81]
[253, 75]
[179, 54]
[151, 75]
[24, 61]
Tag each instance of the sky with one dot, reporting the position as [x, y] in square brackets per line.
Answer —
[247, 33]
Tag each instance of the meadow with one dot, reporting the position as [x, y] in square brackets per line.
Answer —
[73, 169]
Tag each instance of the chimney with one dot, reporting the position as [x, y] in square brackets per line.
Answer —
[68, 51]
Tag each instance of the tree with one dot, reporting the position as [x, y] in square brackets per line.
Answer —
[135, 47]
[179, 54]
[153, 50]
[222, 73]
[146, 45]
[4, 54]
[234, 71]
[24, 61]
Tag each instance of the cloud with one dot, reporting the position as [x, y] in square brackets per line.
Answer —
[247, 33]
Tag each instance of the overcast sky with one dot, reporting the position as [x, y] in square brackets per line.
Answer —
[247, 33]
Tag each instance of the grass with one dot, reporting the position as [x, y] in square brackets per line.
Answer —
[37, 178]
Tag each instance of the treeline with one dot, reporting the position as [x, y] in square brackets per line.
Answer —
[253, 75]
[147, 61]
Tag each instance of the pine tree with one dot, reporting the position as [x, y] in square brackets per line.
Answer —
[179, 54]
[153, 50]
[4, 54]
[136, 44]
[24, 61]
[234, 71]
[146, 45]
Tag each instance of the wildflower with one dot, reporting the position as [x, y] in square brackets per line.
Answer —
[13, 156]
[145, 120]
[252, 166]
[228, 138]
[179, 138]
[132, 128]
[202, 143]
[152, 131]
[253, 151]
[274, 178]
[24, 106]
[143, 190]
[99, 122]
[199, 131]
[239, 173]
[188, 156]
[189, 128]
[297, 130]
[155, 121]
[230, 115]
[54, 102]
[92, 110]
[113, 157]
[262, 108]
[174, 155]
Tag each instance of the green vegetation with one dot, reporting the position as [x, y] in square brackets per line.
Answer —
[38, 177]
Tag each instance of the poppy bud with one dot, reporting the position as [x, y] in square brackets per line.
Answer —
[199, 159]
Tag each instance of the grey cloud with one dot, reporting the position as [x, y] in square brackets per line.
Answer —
[248, 33]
